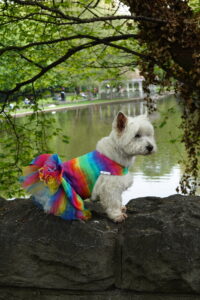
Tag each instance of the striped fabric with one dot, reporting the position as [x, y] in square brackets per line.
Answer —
[61, 187]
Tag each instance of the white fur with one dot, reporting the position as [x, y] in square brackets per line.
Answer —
[122, 145]
[130, 136]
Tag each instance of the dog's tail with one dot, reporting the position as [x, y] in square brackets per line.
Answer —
[45, 180]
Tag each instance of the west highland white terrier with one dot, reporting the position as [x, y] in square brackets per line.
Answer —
[130, 136]
[60, 188]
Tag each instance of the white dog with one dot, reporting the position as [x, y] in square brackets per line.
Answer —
[130, 136]
[60, 188]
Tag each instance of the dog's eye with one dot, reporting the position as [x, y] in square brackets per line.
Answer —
[137, 135]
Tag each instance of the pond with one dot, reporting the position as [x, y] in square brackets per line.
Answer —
[155, 175]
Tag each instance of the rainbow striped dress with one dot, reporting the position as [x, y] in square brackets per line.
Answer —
[60, 187]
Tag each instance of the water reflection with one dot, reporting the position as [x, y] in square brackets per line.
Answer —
[156, 175]
[160, 186]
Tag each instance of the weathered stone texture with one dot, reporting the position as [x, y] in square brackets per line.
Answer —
[161, 245]
[39, 250]
[156, 251]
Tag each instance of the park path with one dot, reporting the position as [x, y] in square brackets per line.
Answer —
[77, 105]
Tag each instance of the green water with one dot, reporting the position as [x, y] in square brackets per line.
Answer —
[155, 175]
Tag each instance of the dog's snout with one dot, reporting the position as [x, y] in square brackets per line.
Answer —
[149, 148]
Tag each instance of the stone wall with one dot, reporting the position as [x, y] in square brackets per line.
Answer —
[154, 254]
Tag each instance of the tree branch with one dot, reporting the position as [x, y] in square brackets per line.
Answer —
[31, 61]
[69, 53]
[64, 39]
[77, 20]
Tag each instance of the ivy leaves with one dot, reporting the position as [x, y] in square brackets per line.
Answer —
[174, 47]
[21, 140]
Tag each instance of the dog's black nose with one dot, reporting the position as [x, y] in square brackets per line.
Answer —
[149, 148]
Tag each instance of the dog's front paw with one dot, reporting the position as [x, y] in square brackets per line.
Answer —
[124, 209]
[122, 217]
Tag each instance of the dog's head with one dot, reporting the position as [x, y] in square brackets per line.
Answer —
[133, 135]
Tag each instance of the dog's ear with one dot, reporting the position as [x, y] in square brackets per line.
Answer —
[121, 121]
